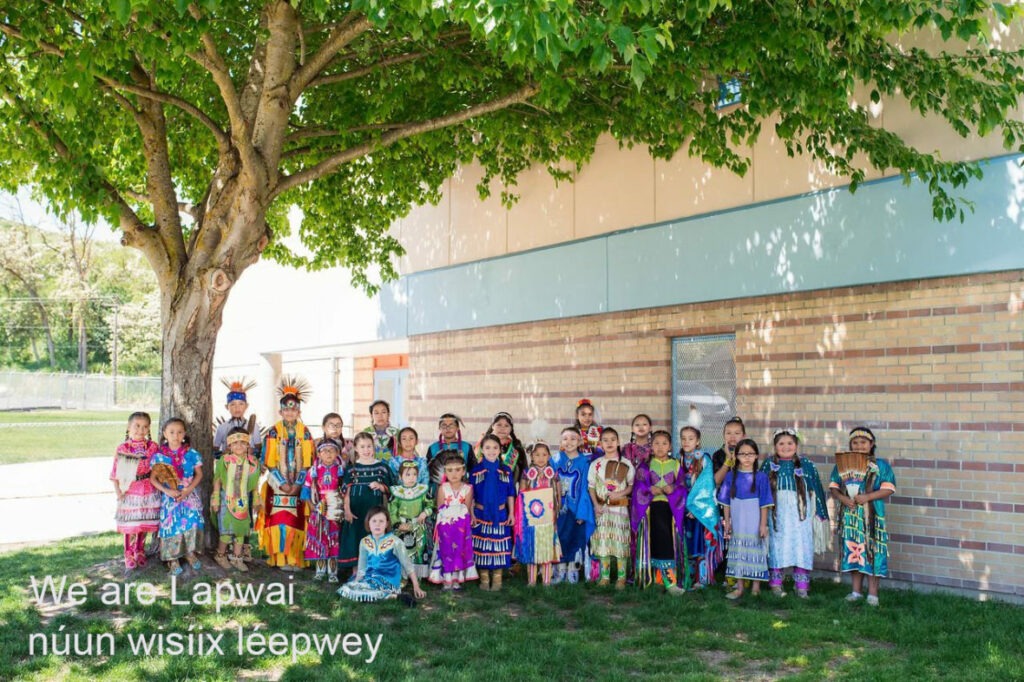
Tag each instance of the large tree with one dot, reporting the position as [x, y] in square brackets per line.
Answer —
[194, 126]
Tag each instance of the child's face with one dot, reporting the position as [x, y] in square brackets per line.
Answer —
[332, 428]
[861, 444]
[540, 457]
[641, 428]
[240, 448]
[785, 448]
[290, 413]
[585, 414]
[609, 442]
[491, 450]
[449, 429]
[378, 525]
[747, 458]
[408, 441]
[175, 434]
[570, 441]
[364, 448]
[453, 472]
[328, 456]
[380, 415]
[689, 441]
[236, 408]
[661, 446]
[732, 434]
[138, 428]
[409, 477]
[502, 429]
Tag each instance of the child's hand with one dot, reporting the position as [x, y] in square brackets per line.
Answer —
[763, 530]
[349, 516]
[849, 503]
[579, 522]
[214, 505]
[377, 485]
[860, 498]
[667, 489]
[418, 592]
[421, 518]
[404, 527]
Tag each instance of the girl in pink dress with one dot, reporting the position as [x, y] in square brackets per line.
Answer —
[138, 502]
[453, 534]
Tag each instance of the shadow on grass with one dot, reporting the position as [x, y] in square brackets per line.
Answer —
[568, 632]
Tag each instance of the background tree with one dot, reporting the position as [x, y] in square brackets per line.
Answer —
[193, 126]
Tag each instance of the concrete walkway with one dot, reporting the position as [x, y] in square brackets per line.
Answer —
[46, 501]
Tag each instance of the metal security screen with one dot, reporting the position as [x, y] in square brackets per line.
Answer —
[704, 375]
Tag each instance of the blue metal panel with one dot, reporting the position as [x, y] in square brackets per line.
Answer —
[882, 233]
[565, 281]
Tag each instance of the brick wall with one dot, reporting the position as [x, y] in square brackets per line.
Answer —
[936, 367]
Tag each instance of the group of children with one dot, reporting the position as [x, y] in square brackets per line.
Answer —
[591, 509]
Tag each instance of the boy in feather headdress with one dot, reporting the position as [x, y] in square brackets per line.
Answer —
[237, 403]
[288, 453]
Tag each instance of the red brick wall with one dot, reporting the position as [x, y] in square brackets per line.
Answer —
[936, 367]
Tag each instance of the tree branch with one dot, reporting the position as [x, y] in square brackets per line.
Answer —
[48, 48]
[209, 58]
[366, 70]
[328, 165]
[341, 36]
[184, 207]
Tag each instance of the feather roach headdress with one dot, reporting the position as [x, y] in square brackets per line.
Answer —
[238, 387]
[292, 390]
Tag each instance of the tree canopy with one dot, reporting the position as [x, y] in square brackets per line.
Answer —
[148, 112]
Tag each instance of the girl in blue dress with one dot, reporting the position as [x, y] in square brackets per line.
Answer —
[383, 562]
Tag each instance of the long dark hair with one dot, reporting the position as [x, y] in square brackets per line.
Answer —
[650, 434]
[139, 415]
[735, 469]
[175, 420]
[520, 462]
[773, 477]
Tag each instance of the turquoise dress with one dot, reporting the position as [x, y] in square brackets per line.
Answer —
[865, 541]
[382, 564]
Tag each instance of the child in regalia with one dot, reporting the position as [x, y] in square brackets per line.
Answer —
[513, 454]
[703, 519]
[385, 441]
[453, 532]
[235, 476]
[288, 454]
[576, 511]
[408, 439]
[367, 484]
[322, 492]
[638, 449]
[746, 498]
[659, 517]
[410, 509]
[610, 483]
[333, 427]
[590, 432]
[536, 510]
[865, 540]
[449, 439]
[237, 404]
[383, 562]
[138, 502]
[799, 499]
[177, 473]
[494, 492]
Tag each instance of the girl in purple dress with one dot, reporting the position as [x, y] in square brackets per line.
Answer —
[746, 497]
[453, 533]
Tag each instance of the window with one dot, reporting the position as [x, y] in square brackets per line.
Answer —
[704, 375]
[729, 92]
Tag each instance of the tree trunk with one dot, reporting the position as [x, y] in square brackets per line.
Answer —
[191, 315]
[83, 356]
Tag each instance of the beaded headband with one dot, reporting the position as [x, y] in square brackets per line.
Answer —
[237, 438]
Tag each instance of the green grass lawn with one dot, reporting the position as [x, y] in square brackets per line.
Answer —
[60, 434]
[568, 632]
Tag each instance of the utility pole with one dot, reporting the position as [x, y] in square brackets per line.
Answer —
[113, 359]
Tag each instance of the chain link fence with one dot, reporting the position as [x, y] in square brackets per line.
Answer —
[40, 390]
[704, 376]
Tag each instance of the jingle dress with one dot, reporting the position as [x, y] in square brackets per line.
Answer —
[453, 539]
[322, 492]
[405, 508]
[361, 498]
[382, 564]
[181, 521]
[865, 540]
[748, 551]
[492, 533]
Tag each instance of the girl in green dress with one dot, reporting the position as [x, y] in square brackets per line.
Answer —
[366, 485]
[411, 507]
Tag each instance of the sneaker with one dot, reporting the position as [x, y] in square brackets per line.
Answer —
[558, 575]
[854, 596]
[872, 600]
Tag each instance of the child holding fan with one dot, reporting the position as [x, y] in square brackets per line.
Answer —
[536, 511]
[138, 502]
[610, 483]
[590, 432]
[322, 492]
[177, 473]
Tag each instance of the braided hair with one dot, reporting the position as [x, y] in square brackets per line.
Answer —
[650, 434]
[139, 415]
[753, 479]
[773, 477]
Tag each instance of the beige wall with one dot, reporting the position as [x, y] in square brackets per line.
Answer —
[623, 188]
